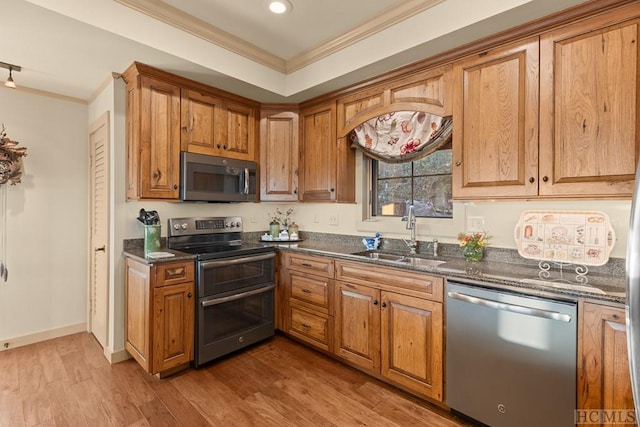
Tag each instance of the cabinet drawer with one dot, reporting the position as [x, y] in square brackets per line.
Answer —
[395, 280]
[310, 288]
[309, 327]
[172, 273]
[316, 265]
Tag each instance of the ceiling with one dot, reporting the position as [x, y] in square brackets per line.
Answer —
[70, 49]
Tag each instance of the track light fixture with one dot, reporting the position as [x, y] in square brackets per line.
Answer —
[10, 83]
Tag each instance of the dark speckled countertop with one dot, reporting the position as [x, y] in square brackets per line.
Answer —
[600, 284]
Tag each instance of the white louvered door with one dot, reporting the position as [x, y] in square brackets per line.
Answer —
[99, 214]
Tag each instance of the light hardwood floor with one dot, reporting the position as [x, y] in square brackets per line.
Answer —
[68, 382]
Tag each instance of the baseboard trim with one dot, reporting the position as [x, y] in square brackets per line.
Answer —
[116, 356]
[42, 336]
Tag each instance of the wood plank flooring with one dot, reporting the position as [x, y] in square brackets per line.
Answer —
[68, 382]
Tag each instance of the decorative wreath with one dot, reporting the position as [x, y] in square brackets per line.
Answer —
[10, 159]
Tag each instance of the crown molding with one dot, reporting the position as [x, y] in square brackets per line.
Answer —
[383, 20]
[177, 18]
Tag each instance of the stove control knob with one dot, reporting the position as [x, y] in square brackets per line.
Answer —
[238, 224]
[184, 226]
[227, 225]
[176, 226]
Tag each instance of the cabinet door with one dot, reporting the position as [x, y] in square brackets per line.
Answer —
[159, 140]
[411, 343]
[604, 380]
[279, 156]
[200, 121]
[357, 325]
[589, 140]
[318, 154]
[239, 138]
[173, 326]
[137, 312]
[495, 142]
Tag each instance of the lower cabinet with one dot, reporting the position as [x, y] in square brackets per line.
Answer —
[159, 314]
[604, 381]
[389, 333]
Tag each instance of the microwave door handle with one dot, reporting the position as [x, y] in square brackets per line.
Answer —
[246, 180]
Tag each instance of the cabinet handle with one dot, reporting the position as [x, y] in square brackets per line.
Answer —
[532, 180]
[189, 295]
[545, 178]
[174, 273]
[384, 304]
[304, 325]
[375, 302]
[304, 264]
[458, 163]
[157, 174]
[100, 249]
[306, 291]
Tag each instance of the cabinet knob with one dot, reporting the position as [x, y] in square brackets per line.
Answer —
[375, 302]
[224, 146]
[189, 295]
[218, 145]
[175, 186]
[295, 191]
[384, 304]
[532, 180]
[545, 178]
[458, 163]
[332, 189]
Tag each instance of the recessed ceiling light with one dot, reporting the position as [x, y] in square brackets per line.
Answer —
[279, 6]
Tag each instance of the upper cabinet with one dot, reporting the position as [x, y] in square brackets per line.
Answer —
[153, 138]
[166, 114]
[495, 119]
[579, 138]
[327, 163]
[279, 155]
[589, 94]
[427, 91]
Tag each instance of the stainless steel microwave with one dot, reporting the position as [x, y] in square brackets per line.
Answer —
[216, 179]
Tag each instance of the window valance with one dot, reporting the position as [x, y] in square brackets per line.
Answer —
[401, 135]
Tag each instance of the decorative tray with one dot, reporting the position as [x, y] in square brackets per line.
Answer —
[572, 237]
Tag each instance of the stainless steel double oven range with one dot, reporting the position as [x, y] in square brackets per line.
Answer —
[234, 284]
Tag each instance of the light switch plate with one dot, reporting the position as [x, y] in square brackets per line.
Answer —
[475, 223]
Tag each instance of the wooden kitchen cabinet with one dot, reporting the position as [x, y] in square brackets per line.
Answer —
[153, 137]
[388, 329]
[589, 106]
[428, 91]
[308, 282]
[495, 114]
[604, 380]
[159, 314]
[327, 163]
[200, 123]
[279, 155]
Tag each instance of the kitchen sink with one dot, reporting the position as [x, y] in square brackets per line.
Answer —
[411, 260]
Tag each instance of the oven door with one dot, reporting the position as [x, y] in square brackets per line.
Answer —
[226, 324]
[225, 276]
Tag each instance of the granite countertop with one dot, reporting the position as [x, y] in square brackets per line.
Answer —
[525, 277]
[528, 278]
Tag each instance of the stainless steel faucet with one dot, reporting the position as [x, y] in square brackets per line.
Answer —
[411, 225]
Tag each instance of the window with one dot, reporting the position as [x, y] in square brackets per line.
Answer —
[425, 183]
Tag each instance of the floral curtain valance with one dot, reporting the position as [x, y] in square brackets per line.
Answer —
[401, 135]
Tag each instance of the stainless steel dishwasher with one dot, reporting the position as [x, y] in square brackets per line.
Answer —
[511, 358]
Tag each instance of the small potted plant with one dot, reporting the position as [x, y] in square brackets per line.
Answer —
[280, 220]
[473, 245]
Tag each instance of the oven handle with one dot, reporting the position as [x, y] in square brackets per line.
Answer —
[242, 260]
[217, 301]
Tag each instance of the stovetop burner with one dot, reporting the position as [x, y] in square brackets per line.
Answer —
[210, 237]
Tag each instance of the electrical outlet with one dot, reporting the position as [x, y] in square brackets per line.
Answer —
[316, 218]
[333, 219]
[253, 219]
[475, 223]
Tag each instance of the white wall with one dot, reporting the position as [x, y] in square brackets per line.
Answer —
[46, 218]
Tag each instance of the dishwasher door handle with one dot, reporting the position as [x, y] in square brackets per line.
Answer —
[520, 309]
